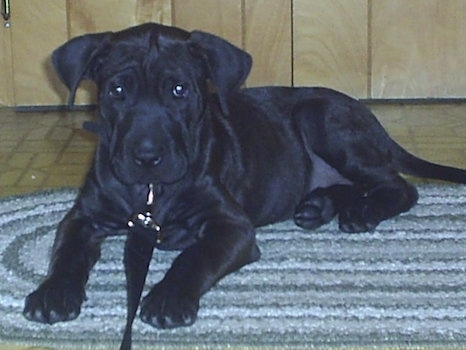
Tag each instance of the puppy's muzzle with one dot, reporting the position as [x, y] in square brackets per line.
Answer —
[145, 154]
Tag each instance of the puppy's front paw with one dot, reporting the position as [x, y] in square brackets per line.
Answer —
[168, 307]
[56, 300]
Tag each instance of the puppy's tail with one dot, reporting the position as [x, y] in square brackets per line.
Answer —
[409, 164]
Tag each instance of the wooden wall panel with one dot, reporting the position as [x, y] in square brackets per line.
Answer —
[87, 16]
[159, 11]
[268, 37]
[38, 27]
[6, 68]
[366, 48]
[222, 18]
[418, 50]
[331, 44]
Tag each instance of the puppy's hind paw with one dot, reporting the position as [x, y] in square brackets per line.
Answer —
[361, 217]
[315, 210]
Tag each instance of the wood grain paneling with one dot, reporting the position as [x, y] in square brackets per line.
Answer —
[38, 27]
[268, 37]
[366, 48]
[222, 18]
[419, 48]
[159, 11]
[86, 16]
[330, 44]
[6, 68]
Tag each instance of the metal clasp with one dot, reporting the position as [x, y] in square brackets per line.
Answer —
[145, 220]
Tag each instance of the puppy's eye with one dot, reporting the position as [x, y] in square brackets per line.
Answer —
[116, 92]
[180, 90]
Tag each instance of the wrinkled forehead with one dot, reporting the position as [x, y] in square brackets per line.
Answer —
[146, 56]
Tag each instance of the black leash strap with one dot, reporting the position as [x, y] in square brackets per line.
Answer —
[137, 257]
[144, 234]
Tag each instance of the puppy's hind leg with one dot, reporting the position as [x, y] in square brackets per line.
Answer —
[357, 211]
[346, 135]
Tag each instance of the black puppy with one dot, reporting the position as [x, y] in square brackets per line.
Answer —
[180, 167]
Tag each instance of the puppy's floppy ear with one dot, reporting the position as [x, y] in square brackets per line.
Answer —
[227, 64]
[73, 60]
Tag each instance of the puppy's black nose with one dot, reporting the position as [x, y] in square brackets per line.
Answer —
[146, 154]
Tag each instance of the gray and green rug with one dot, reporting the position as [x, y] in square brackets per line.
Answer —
[402, 286]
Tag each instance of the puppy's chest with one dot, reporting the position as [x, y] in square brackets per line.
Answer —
[150, 219]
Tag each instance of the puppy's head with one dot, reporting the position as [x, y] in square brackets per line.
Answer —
[152, 83]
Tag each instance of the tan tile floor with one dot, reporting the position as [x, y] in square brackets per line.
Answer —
[48, 150]
[43, 150]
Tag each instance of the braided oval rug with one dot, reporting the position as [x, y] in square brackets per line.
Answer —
[402, 286]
